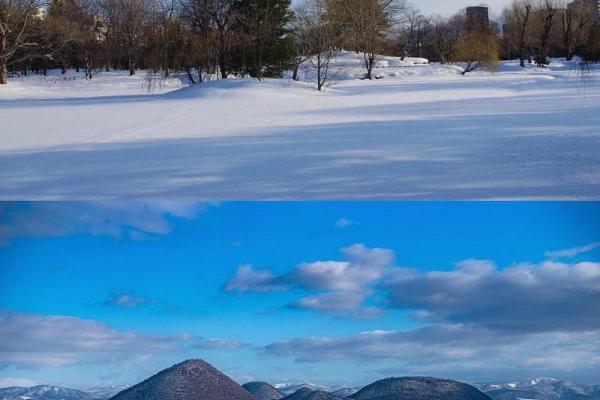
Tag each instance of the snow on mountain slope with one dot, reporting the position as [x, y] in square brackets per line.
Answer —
[44, 392]
[539, 388]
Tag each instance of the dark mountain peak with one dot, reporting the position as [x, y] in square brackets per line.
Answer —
[263, 391]
[189, 380]
[195, 363]
[419, 388]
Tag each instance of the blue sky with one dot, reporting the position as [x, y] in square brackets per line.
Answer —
[109, 293]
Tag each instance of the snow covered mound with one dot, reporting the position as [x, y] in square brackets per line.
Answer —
[73, 84]
[349, 65]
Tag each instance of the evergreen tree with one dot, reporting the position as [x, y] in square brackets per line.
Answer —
[264, 28]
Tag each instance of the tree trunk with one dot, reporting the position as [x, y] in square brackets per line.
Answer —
[3, 61]
[570, 55]
[3, 70]
[188, 70]
[199, 69]
[222, 66]
[131, 67]
[522, 57]
[295, 75]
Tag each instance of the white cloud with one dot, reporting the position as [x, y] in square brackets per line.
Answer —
[550, 296]
[128, 300]
[247, 279]
[30, 341]
[574, 251]
[344, 223]
[132, 218]
[334, 286]
[447, 348]
[333, 301]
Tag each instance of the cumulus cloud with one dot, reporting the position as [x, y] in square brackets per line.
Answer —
[334, 286]
[573, 251]
[476, 317]
[117, 219]
[550, 296]
[362, 267]
[31, 341]
[248, 279]
[333, 302]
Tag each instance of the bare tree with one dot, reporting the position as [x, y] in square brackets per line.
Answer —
[299, 37]
[207, 16]
[321, 38]
[128, 18]
[547, 10]
[16, 17]
[368, 22]
[221, 12]
[414, 23]
[446, 35]
[518, 18]
[577, 20]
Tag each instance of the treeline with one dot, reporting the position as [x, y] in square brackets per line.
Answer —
[264, 38]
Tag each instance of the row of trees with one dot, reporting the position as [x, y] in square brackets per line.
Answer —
[531, 30]
[201, 37]
[546, 27]
[262, 38]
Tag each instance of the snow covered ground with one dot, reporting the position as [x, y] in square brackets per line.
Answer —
[420, 132]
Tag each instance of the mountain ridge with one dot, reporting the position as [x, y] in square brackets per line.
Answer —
[535, 388]
[419, 388]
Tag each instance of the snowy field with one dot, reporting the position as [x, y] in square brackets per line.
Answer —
[420, 132]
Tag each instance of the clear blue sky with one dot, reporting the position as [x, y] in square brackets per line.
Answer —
[109, 293]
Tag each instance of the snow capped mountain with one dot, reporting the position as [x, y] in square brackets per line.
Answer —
[536, 388]
[107, 391]
[44, 392]
[289, 388]
[539, 388]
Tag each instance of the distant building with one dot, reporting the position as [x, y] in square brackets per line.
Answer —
[478, 19]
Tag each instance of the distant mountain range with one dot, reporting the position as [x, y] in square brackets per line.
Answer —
[540, 389]
[47, 392]
[196, 379]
